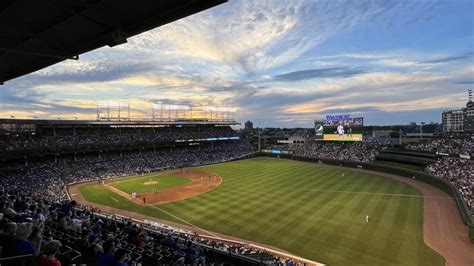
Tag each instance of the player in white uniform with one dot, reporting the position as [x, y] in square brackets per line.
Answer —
[340, 131]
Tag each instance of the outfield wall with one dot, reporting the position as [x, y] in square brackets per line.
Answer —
[424, 177]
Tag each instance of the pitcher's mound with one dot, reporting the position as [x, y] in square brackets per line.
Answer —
[149, 183]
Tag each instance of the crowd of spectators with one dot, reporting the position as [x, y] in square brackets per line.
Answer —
[62, 233]
[351, 151]
[445, 145]
[36, 217]
[80, 141]
[459, 172]
[50, 178]
[228, 246]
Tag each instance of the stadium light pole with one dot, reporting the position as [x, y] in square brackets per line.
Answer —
[400, 135]
[421, 130]
[259, 142]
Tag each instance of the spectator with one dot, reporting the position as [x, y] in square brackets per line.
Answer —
[21, 245]
[105, 258]
[459, 172]
[48, 258]
[7, 237]
[120, 258]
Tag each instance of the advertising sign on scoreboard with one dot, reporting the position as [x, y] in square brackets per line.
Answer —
[319, 129]
[339, 128]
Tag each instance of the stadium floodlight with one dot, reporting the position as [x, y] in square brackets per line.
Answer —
[112, 104]
[170, 111]
[113, 110]
[177, 107]
[218, 113]
[219, 109]
[171, 106]
[231, 109]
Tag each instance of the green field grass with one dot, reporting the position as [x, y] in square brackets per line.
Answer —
[307, 209]
[138, 184]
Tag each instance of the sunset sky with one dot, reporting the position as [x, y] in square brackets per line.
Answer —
[282, 63]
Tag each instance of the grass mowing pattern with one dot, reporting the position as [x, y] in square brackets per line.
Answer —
[137, 184]
[281, 203]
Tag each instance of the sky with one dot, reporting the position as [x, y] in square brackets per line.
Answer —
[281, 63]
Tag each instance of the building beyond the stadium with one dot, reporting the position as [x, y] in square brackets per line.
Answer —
[459, 122]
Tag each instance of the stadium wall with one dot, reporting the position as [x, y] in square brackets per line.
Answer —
[426, 178]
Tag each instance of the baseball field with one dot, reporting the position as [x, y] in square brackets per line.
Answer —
[311, 210]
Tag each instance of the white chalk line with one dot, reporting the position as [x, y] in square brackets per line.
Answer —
[362, 192]
[195, 226]
[116, 200]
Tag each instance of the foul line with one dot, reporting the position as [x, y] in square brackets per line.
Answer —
[195, 226]
[116, 200]
[363, 192]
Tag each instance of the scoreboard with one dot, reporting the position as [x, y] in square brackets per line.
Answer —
[339, 128]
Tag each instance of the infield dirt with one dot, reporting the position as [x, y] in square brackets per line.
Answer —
[201, 182]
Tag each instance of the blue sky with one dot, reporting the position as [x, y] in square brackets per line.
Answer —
[282, 63]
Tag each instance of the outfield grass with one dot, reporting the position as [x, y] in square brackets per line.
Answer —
[138, 184]
[307, 209]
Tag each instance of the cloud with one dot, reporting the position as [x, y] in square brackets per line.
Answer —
[266, 57]
[397, 59]
[448, 59]
[91, 71]
[34, 103]
[465, 82]
[250, 37]
[330, 72]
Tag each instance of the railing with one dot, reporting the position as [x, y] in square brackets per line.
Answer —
[22, 260]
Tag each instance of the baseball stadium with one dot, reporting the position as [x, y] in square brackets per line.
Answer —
[161, 182]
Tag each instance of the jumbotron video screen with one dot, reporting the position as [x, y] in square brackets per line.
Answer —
[339, 128]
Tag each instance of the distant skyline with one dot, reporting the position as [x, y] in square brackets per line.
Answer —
[282, 63]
